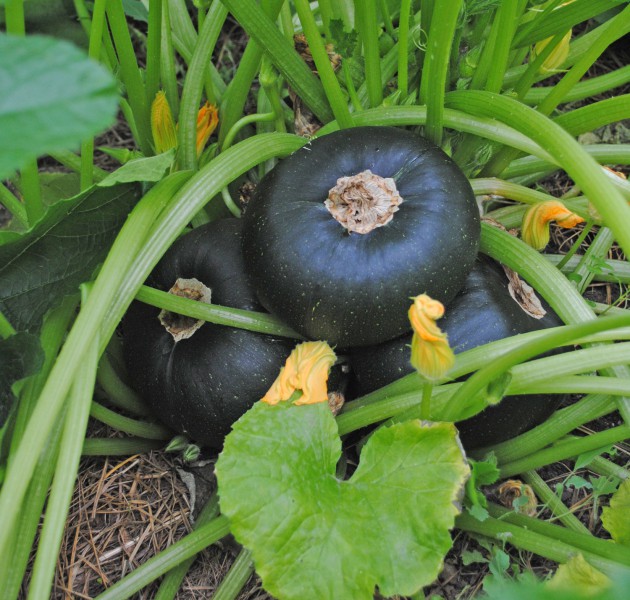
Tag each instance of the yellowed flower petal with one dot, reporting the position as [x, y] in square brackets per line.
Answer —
[207, 121]
[558, 55]
[162, 124]
[431, 354]
[535, 227]
[305, 370]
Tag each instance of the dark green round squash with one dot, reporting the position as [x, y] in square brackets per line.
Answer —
[482, 312]
[200, 385]
[337, 259]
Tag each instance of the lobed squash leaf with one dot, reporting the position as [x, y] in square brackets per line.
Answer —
[53, 97]
[615, 516]
[314, 536]
[50, 261]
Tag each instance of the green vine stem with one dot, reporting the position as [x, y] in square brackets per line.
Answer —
[585, 89]
[6, 329]
[168, 73]
[240, 571]
[435, 66]
[403, 48]
[328, 78]
[566, 449]
[14, 206]
[563, 421]
[97, 27]
[368, 29]
[604, 467]
[154, 46]
[117, 391]
[532, 541]
[25, 528]
[144, 429]
[213, 313]
[65, 475]
[553, 503]
[506, 20]
[596, 250]
[193, 85]
[130, 74]
[172, 581]
[119, 446]
[175, 554]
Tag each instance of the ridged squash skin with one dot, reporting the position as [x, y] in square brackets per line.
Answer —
[353, 289]
[482, 312]
[201, 385]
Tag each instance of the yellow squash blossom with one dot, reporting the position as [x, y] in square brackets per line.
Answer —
[431, 355]
[162, 124]
[535, 227]
[207, 120]
[558, 55]
[305, 370]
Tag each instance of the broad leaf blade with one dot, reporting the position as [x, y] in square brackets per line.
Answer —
[313, 536]
[615, 517]
[153, 168]
[53, 97]
[20, 356]
[39, 268]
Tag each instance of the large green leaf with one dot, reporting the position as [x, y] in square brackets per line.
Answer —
[53, 97]
[20, 356]
[314, 536]
[615, 517]
[39, 268]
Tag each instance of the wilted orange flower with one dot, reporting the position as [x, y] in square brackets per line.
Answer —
[162, 124]
[305, 370]
[207, 120]
[535, 227]
[431, 355]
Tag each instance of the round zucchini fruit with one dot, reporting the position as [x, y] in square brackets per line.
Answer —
[482, 312]
[199, 377]
[340, 234]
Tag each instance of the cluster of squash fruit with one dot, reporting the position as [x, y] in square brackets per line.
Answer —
[335, 241]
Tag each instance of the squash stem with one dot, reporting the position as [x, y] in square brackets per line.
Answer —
[425, 406]
[172, 581]
[117, 391]
[174, 555]
[119, 446]
[240, 571]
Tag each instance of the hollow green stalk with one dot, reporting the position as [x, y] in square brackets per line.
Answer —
[117, 391]
[172, 581]
[175, 554]
[435, 66]
[506, 19]
[403, 51]
[119, 446]
[236, 578]
[576, 245]
[168, 72]
[193, 85]
[69, 159]
[154, 44]
[582, 541]
[74, 427]
[566, 449]
[144, 429]
[130, 74]
[24, 529]
[526, 539]
[14, 206]
[368, 30]
[596, 250]
[548, 497]
[322, 62]
[213, 313]
[97, 27]
[560, 423]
